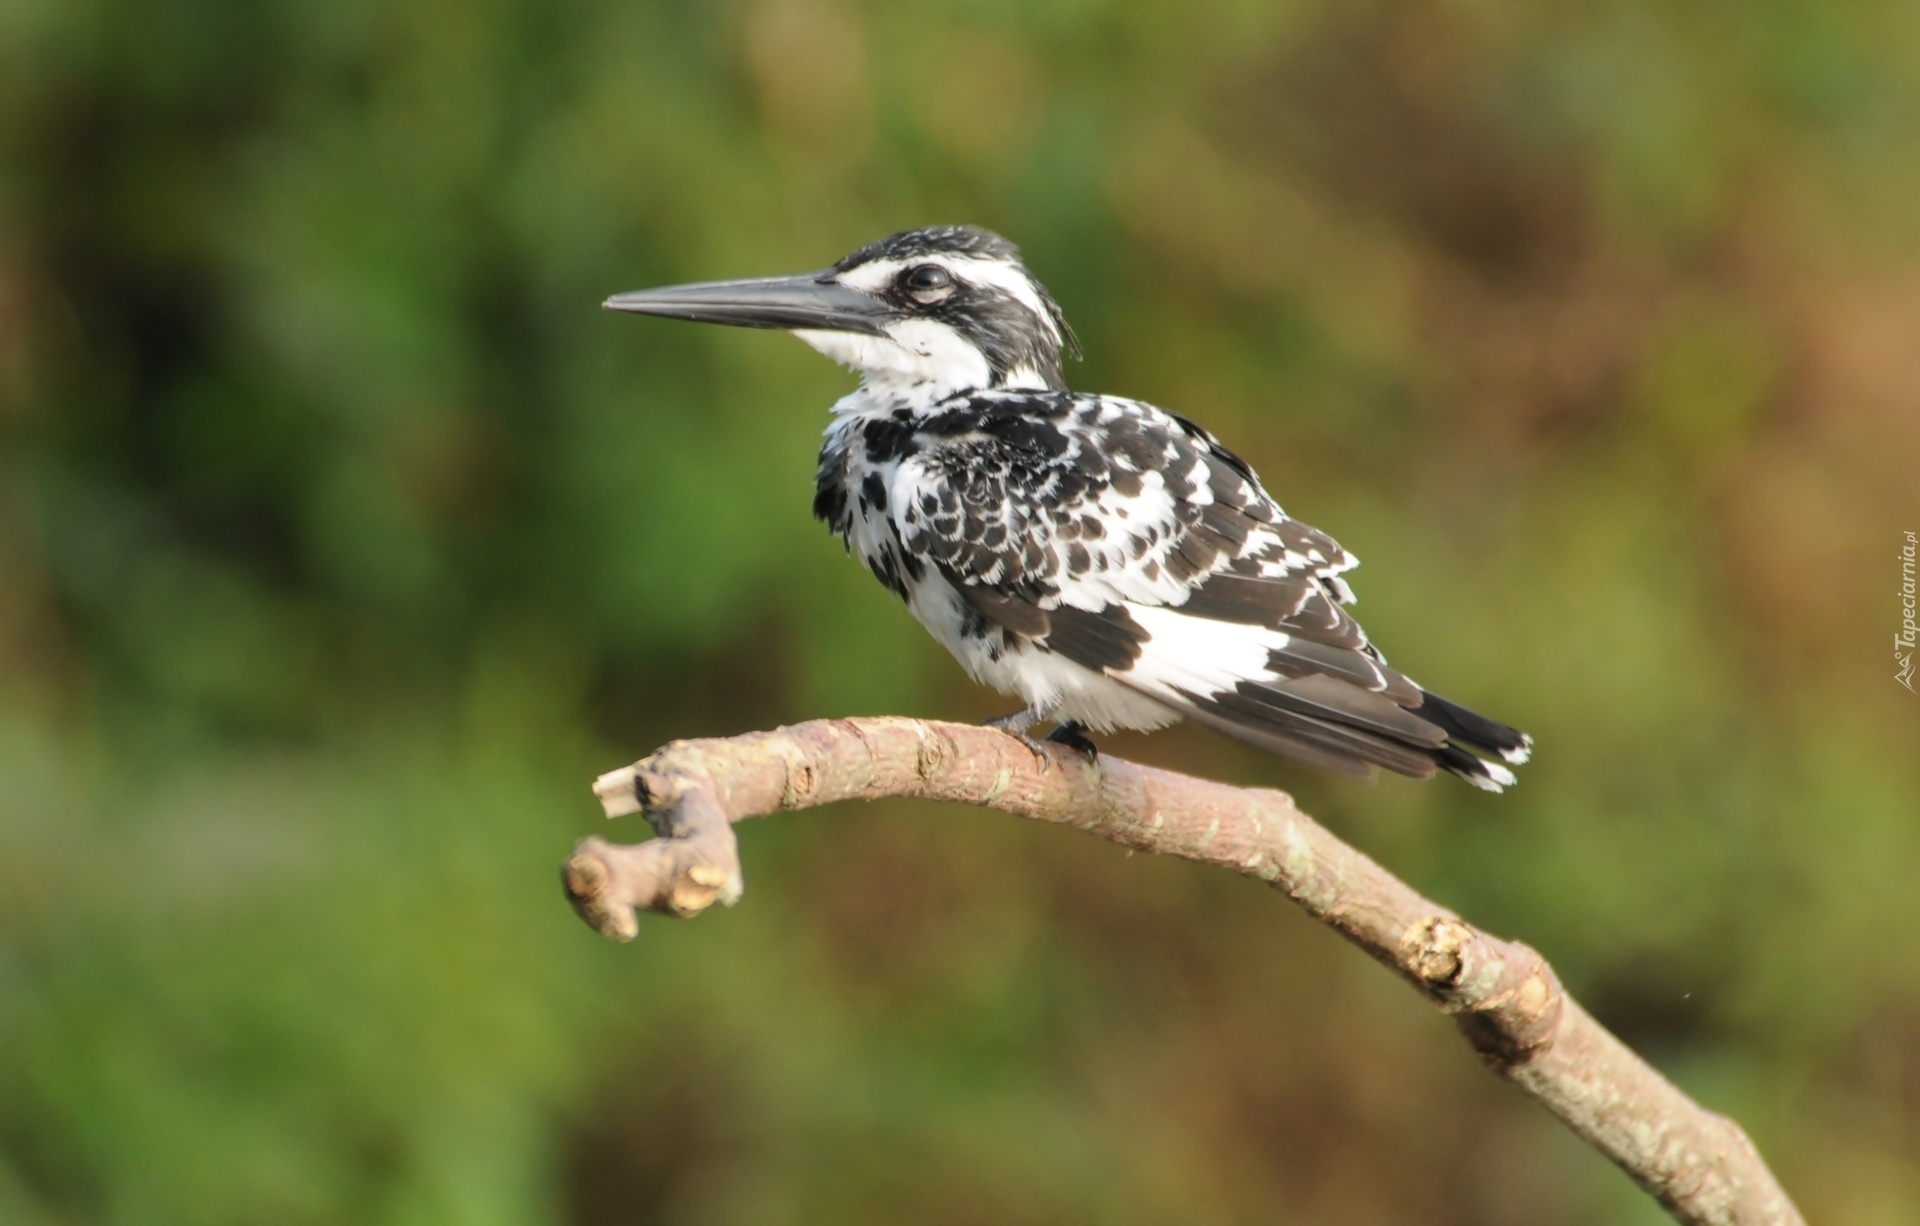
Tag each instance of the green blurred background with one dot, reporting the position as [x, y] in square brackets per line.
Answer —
[343, 539]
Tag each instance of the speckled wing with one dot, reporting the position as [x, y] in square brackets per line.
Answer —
[1131, 542]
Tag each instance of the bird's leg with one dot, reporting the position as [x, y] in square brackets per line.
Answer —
[1073, 734]
[1018, 723]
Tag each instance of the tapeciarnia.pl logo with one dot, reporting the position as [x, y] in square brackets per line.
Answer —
[1903, 641]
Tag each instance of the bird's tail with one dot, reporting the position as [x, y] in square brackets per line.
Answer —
[1337, 726]
[1470, 734]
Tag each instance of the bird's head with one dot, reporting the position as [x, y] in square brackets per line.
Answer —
[924, 312]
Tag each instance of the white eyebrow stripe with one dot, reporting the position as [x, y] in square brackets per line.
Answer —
[872, 277]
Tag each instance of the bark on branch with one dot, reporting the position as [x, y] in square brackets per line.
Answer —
[1503, 995]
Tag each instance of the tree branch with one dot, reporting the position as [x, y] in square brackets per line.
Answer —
[1505, 998]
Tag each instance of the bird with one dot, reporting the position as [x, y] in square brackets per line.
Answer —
[1109, 563]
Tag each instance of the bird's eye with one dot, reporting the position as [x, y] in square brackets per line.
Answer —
[928, 282]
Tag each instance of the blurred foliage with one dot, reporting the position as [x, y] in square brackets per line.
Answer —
[343, 539]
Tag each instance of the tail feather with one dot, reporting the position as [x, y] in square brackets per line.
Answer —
[1474, 730]
[1485, 775]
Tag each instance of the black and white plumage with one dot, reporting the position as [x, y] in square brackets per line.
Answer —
[1108, 562]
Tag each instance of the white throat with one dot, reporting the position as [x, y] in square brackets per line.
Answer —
[918, 364]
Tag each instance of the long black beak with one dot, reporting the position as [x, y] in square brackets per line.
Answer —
[811, 301]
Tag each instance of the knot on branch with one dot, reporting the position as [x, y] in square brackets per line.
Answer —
[1503, 995]
[934, 755]
[800, 781]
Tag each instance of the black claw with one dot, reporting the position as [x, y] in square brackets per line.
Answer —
[1073, 735]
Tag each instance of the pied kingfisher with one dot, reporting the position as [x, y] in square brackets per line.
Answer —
[1106, 561]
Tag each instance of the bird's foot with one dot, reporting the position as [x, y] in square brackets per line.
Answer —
[1016, 725]
[1073, 735]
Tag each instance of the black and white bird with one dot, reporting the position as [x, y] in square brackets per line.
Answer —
[1108, 562]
